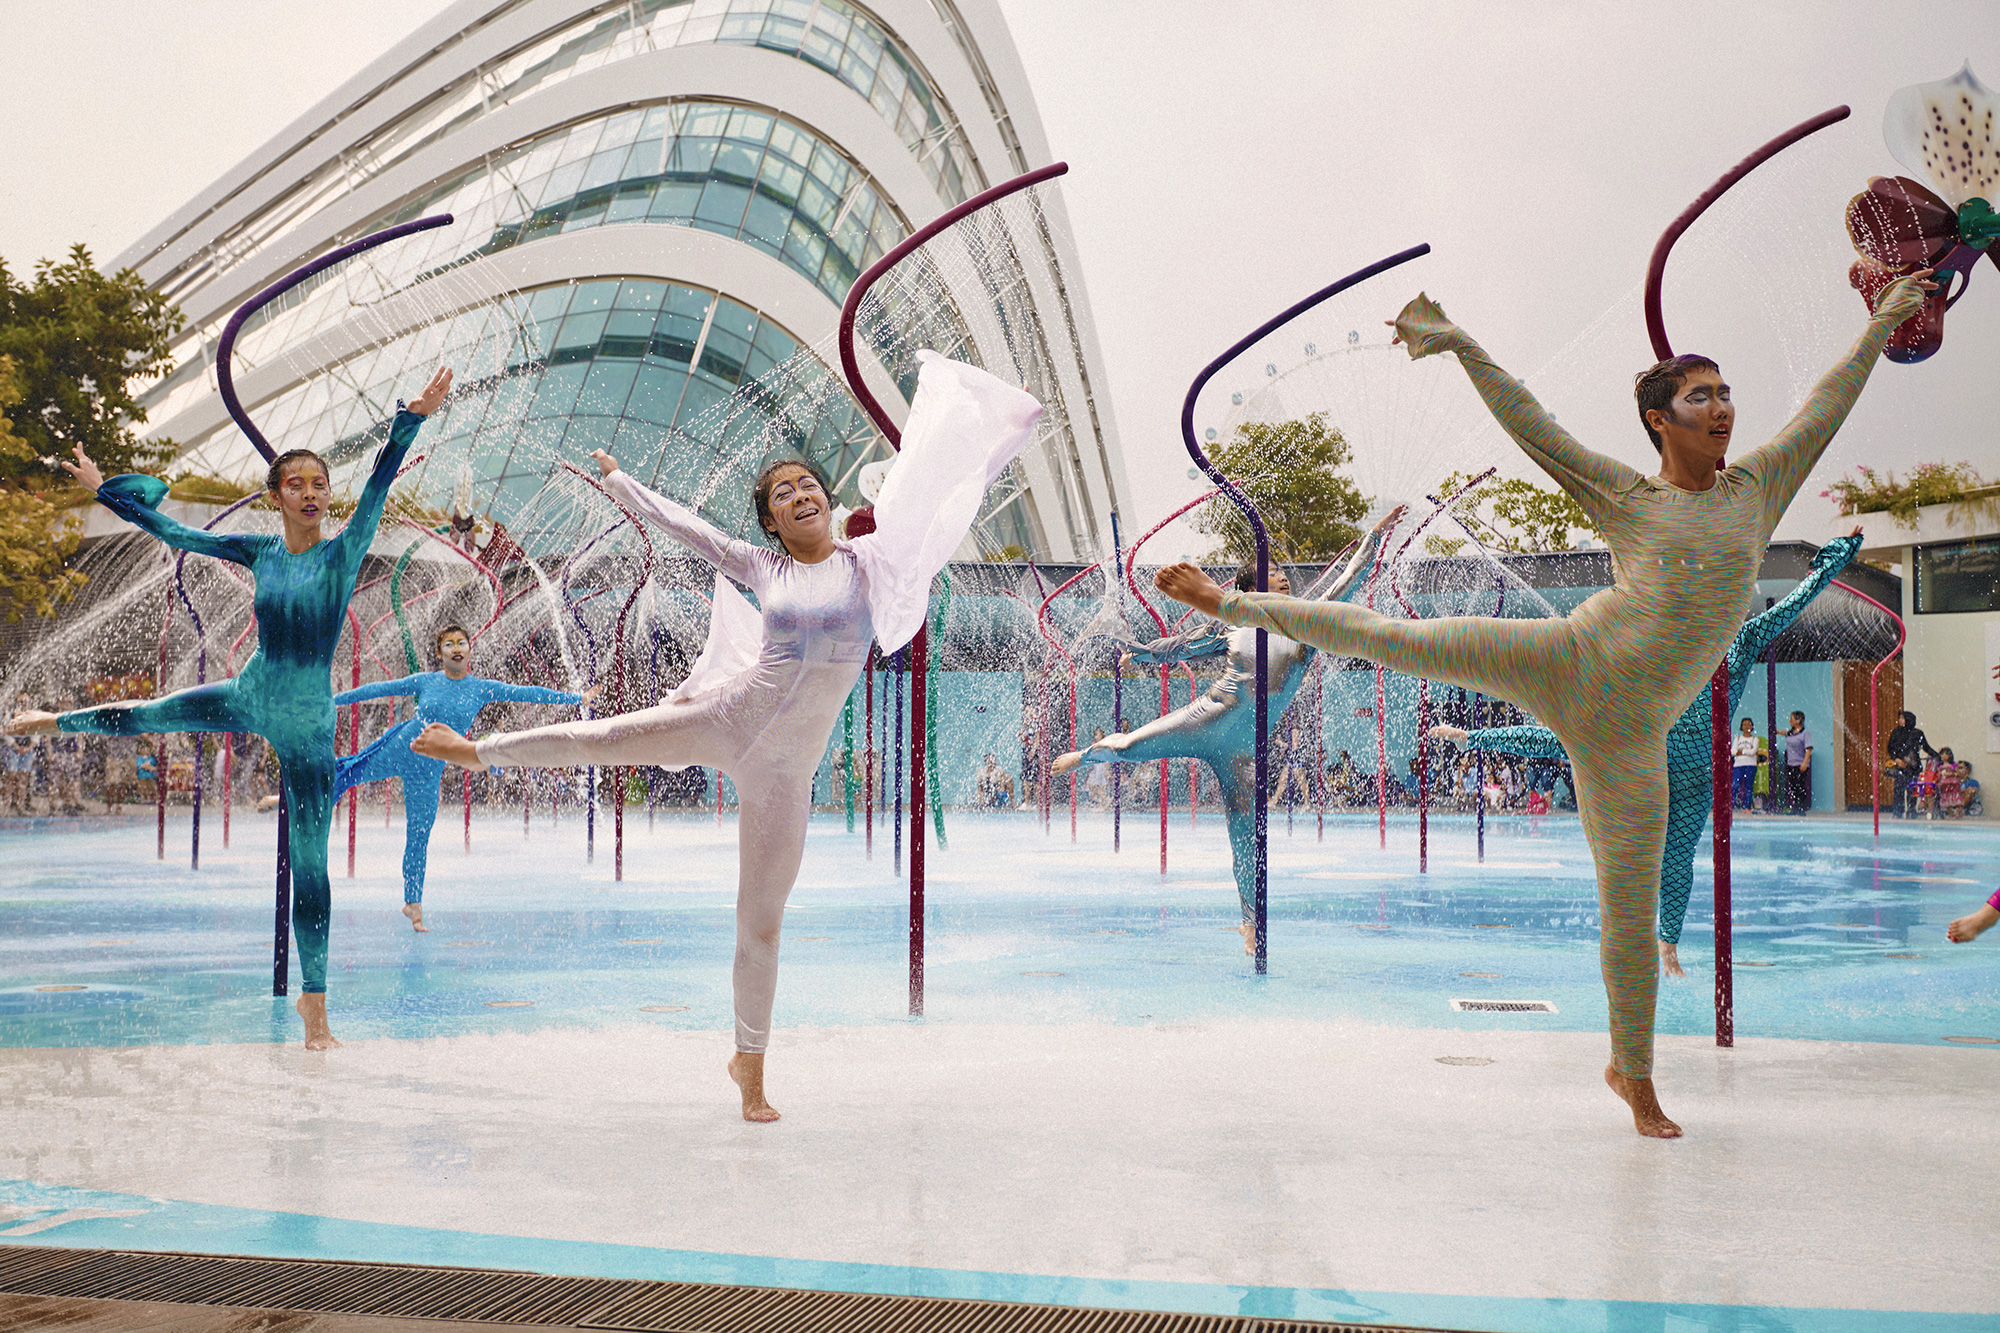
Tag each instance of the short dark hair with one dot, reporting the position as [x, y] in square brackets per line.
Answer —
[767, 480]
[1655, 387]
[1246, 577]
[275, 478]
[449, 627]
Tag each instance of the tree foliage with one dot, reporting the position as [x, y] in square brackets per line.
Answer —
[1511, 515]
[1291, 470]
[1956, 484]
[79, 339]
[36, 538]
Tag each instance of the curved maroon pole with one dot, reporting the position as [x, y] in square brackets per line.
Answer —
[1242, 501]
[850, 369]
[1656, 267]
[1656, 331]
[225, 381]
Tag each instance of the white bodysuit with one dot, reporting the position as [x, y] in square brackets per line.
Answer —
[766, 721]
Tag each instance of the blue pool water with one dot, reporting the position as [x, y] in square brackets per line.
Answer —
[1838, 936]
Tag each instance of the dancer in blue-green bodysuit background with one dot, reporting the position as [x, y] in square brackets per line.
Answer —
[452, 696]
[285, 692]
[1690, 756]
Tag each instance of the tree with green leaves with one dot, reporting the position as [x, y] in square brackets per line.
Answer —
[1291, 470]
[1513, 515]
[72, 344]
[79, 340]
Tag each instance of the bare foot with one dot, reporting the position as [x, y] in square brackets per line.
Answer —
[1065, 762]
[1670, 960]
[1249, 929]
[265, 803]
[30, 722]
[1186, 583]
[437, 741]
[415, 911]
[1968, 928]
[1450, 733]
[1647, 1117]
[746, 1071]
[312, 1009]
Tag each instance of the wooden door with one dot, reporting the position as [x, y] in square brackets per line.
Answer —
[1854, 716]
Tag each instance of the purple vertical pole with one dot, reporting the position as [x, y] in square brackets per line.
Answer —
[897, 667]
[1725, 999]
[1117, 690]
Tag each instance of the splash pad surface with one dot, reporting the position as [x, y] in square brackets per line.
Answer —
[1099, 1091]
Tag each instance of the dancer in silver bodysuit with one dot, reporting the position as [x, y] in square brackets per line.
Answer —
[761, 701]
[1220, 727]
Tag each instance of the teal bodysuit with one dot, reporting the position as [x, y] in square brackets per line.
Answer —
[456, 703]
[1690, 741]
[285, 692]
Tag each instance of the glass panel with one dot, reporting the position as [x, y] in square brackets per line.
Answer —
[1958, 578]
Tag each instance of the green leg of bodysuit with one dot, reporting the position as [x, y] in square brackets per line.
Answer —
[1617, 749]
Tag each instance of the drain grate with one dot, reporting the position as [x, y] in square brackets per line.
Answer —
[1504, 1006]
[510, 1297]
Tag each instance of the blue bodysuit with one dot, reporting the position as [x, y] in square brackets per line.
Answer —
[285, 692]
[1690, 757]
[1220, 727]
[456, 703]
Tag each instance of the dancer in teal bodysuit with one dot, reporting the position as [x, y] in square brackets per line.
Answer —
[285, 692]
[1690, 742]
[1611, 675]
[1220, 728]
[452, 696]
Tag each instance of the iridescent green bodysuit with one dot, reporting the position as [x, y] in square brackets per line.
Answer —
[1612, 676]
[285, 692]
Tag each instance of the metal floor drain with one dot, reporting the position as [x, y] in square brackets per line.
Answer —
[1465, 1059]
[499, 1296]
[1504, 1006]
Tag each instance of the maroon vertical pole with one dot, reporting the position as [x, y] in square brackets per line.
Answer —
[920, 651]
[468, 809]
[228, 790]
[1166, 706]
[160, 789]
[1725, 999]
[868, 756]
[617, 823]
[1381, 761]
[1423, 777]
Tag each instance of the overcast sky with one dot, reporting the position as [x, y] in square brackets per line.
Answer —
[1228, 159]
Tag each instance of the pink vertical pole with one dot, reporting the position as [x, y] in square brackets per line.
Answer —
[468, 809]
[1072, 745]
[1381, 760]
[1166, 706]
[1319, 747]
[1725, 1000]
[228, 789]
[1423, 777]
[354, 741]
[617, 821]
[868, 752]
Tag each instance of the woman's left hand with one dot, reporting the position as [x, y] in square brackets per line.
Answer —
[433, 396]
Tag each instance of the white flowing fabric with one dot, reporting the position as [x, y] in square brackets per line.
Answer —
[763, 696]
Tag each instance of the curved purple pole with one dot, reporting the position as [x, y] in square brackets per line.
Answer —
[919, 648]
[1656, 267]
[1242, 501]
[226, 383]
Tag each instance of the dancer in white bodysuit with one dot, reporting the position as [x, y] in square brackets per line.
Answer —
[761, 701]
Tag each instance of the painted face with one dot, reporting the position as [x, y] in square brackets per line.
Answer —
[304, 492]
[455, 650]
[1703, 411]
[800, 510]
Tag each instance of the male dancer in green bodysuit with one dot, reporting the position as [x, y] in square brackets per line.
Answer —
[1610, 677]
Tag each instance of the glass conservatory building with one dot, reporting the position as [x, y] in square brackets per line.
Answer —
[654, 203]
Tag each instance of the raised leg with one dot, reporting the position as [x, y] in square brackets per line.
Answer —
[666, 735]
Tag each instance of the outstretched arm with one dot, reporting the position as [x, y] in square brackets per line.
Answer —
[1780, 466]
[380, 689]
[1362, 562]
[1758, 634]
[501, 692]
[738, 560]
[353, 542]
[1591, 479]
[1190, 644]
[135, 498]
[1528, 742]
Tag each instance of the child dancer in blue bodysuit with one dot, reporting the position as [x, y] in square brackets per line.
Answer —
[285, 693]
[452, 696]
[1690, 757]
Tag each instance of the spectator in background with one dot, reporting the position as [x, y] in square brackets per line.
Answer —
[121, 771]
[994, 786]
[1797, 791]
[64, 754]
[1744, 755]
[1907, 748]
[1097, 782]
